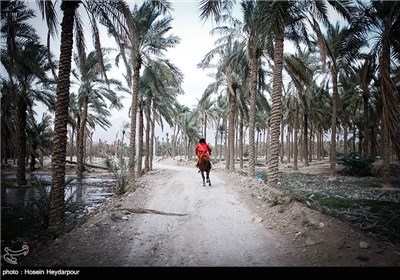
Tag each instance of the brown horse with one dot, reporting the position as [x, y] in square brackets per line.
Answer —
[205, 166]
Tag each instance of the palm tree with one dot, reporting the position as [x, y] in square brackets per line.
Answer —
[254, 36]
[342, 50]
[32, 69]
[221, 111]
[124, 127]
[163, 79]
[177, 117]
[39, 136]
[257, 37]
[16, 31]
[204, 108]
[364, 74]
[93, 89]
[299, 67]
[113, 11]
[25, 61]
[348, 113]
[277, 19]
[381, 19]
[286, 18]
[141, 22]
[188, 124]
[232, 72]
[160, 84]
[56, 211]
[8, 121]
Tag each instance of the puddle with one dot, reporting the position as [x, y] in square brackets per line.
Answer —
[92, 191]
[23, 208]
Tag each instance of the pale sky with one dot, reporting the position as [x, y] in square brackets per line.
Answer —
[194, 45]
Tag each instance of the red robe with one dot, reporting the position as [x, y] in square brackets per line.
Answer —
[203, 149]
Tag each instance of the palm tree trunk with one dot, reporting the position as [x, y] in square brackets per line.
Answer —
[205, 126]
[231, 127]
[140, 140]
[91, 147]
[80, 167]
[268, 143]
[220, 150]
[21, 140]
[366, 122]
[56, 211]
[151, 146]
[345, 136]
[252, 115]
[295, 136]
[256, 146]
[282, 145]
[288, 134]
[72, 135]
[320, 146]
[241, 141]
[226, 151]
[311, 146]
[135, 95]
[387, 101]
[305, 138]
[385, 148]
[273, 167]
[373, 145]
[147, 140]
[216, 153]
[174, 136]
[33, 159]
[332, 150]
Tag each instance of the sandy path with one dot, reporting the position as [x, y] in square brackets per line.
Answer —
[217, 231]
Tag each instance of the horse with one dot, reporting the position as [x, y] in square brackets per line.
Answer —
[205, 166]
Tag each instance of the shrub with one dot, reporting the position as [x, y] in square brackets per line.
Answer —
[355, 165]
[120, 171]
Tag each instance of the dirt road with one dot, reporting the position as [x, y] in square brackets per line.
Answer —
[212, 229]
[171, 220]
[217, 230]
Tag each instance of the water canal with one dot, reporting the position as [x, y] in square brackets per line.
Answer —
[24, 209]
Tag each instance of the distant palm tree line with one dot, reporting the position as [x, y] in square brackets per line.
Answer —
[263, 101]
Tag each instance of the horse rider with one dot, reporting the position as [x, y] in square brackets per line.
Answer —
[202, 149]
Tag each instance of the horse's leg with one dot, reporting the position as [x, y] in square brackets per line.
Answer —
[204, 179]
[208, 178]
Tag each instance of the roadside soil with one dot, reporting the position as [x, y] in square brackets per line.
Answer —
[171, 220]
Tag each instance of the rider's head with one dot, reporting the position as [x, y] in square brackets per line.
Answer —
[202, 140]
